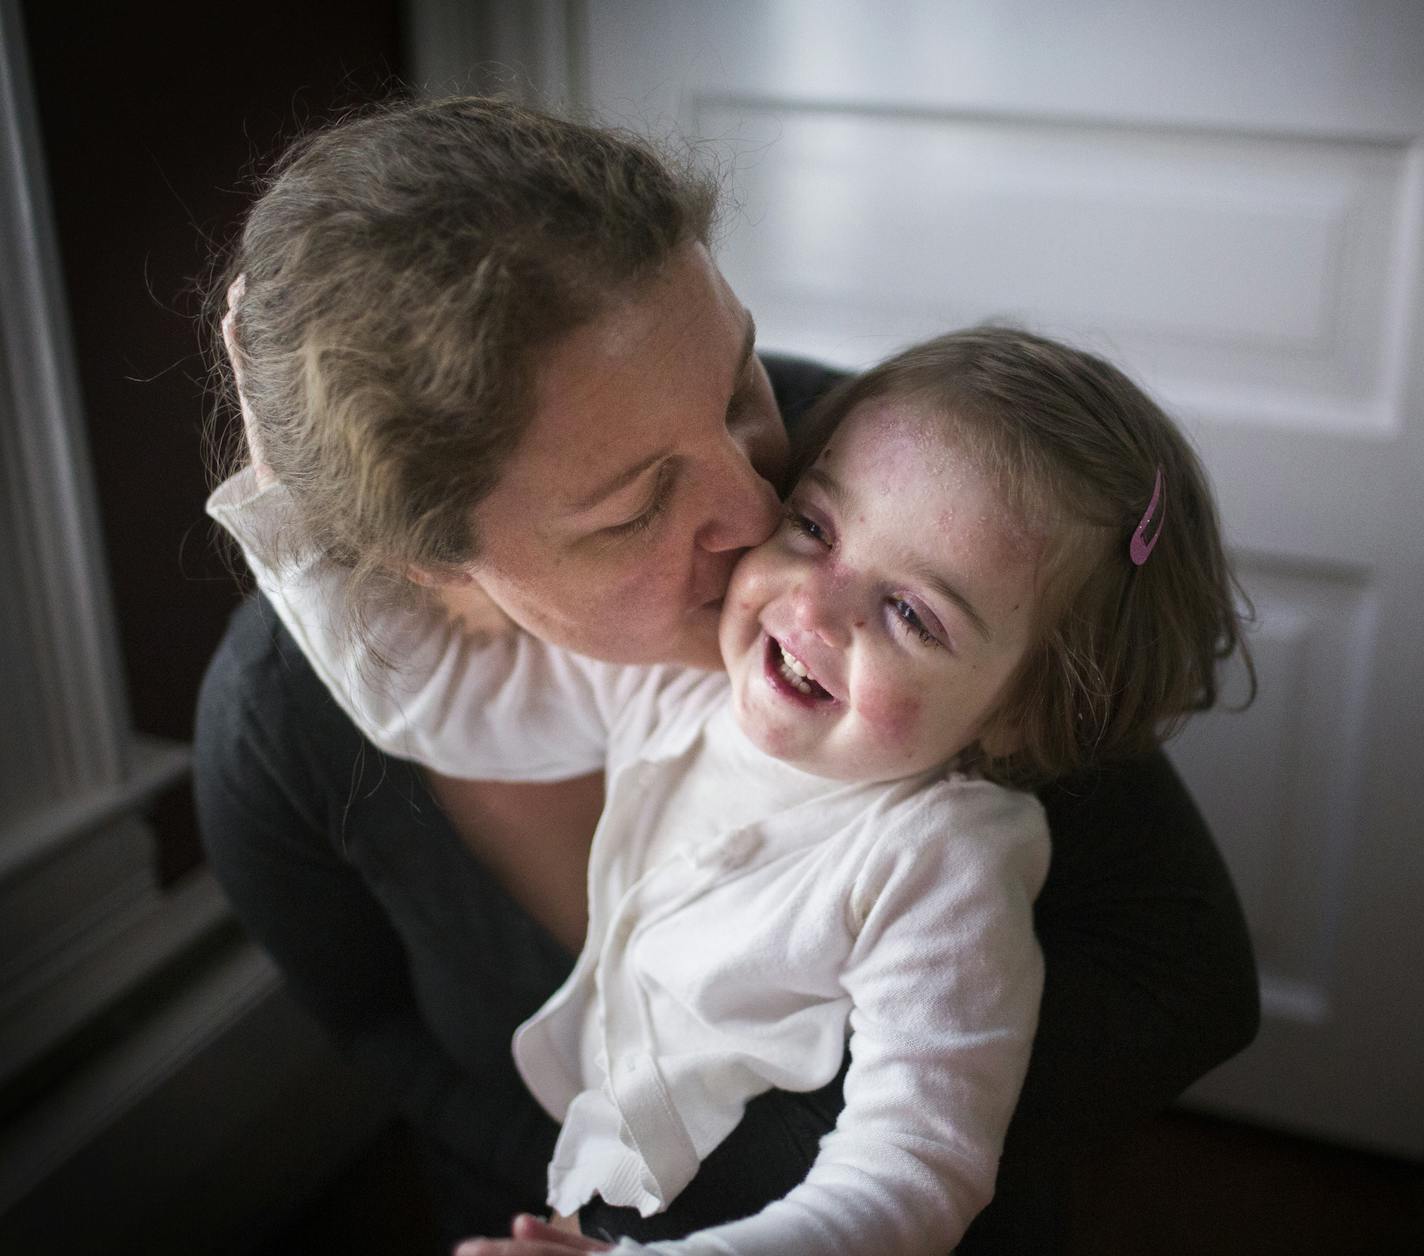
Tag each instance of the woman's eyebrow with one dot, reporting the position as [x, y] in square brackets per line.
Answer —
[748, 347]
[740, 383]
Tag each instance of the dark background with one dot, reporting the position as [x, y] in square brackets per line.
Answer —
[156, 119]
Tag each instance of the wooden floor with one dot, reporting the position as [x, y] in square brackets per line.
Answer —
[1193, 1186]
[1182, 1186]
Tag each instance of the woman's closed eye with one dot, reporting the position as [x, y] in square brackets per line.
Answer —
[645, 518]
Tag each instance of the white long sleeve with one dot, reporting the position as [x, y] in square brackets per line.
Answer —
[501, 708]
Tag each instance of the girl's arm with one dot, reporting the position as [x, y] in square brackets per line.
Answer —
[494, 706]
[945, 978]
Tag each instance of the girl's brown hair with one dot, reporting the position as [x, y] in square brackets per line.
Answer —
[404, 270]
[1123, 653]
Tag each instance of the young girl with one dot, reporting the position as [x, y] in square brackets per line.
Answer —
[1001, 561]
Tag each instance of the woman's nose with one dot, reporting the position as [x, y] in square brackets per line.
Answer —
[743, 507]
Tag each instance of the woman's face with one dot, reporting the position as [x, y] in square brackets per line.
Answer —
[640, 480]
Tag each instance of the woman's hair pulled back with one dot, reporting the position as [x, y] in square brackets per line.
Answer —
[1123, 653]
[403, 272]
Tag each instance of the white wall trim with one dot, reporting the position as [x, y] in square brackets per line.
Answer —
[52, 527]
[79, 893]
[531, 51]
[146, 1053]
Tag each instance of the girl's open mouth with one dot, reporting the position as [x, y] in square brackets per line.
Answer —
[789, 677]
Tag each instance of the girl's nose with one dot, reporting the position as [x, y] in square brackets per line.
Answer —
[822, 610]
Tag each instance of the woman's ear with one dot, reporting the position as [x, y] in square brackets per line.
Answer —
[429, 580]
[464, 600]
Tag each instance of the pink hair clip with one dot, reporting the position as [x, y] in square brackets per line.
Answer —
[1139, 548]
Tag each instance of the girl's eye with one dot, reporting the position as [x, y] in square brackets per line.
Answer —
[909, 619]
[807, 526]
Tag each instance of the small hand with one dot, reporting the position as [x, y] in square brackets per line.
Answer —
[234, 357]
[532, 1237]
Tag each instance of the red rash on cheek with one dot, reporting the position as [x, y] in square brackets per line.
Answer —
[893, 715]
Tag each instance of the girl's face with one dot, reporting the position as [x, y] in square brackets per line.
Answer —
[639, 482]
[872, 635]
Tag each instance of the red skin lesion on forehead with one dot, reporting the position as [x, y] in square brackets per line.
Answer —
[999, 540]
[896, 447]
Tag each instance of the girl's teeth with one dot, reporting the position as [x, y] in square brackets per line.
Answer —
[793, 670]
[795, 680]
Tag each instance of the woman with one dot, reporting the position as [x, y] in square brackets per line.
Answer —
[436, 262]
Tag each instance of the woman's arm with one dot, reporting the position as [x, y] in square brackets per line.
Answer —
[338, 864]
[1150, 984]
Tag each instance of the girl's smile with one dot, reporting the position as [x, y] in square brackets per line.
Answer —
[872, 636]
[790, 676]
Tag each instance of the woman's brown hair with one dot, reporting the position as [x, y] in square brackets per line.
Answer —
[403, 272]
[1123, 652]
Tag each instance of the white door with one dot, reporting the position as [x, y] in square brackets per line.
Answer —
[1228, 199]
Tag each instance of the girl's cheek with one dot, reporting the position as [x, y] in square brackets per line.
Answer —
[742, 589]
[891, 714]
[759, 574]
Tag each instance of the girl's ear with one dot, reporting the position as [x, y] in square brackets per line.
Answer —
[1000, 736]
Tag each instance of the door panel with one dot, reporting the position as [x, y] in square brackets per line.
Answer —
[1227, 199]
